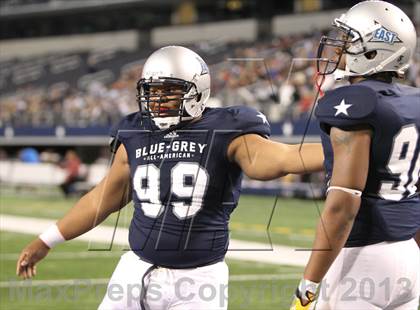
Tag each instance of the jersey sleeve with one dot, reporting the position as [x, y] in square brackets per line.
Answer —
[246, 120]
[347, 107]
[115, 133]
[240, 121]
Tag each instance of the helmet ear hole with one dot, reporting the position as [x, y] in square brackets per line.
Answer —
[198, 97]
[370, 55]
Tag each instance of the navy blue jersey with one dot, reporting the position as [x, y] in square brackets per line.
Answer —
[390, 206]
[184, 186]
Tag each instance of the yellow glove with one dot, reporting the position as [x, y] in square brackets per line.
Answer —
[305, 296]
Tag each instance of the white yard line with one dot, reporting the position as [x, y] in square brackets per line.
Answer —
[68, 255]
[61, 282]
[238, 249]
[103, 281]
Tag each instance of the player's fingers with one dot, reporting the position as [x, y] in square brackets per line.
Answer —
[25, 264]
[21, 262]
[18, 270]
[24, 273]
[34, 270]
[29, 271]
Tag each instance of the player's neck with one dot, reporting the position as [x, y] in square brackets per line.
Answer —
[387, 78]
[356, 79]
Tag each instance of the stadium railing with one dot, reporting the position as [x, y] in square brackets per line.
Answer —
[16, 174]
[36, 175]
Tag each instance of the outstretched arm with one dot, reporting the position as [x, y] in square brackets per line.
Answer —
[110, 195]
[264, 159]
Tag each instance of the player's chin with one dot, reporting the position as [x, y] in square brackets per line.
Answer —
[342, 63]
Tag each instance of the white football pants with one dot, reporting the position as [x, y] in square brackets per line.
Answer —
[381, 276]
[202, 288]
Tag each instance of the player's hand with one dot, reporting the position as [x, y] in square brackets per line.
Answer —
[300, 304]
[29, 257]
[305, 296]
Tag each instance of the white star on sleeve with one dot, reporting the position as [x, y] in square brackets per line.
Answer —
[263, 117]
[342, 108]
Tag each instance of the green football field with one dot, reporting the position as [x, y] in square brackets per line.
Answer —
[72, 277]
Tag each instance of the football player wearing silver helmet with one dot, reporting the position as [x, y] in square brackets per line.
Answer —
[364, 251]
[372, 37]
[174, 86]
[181, 164]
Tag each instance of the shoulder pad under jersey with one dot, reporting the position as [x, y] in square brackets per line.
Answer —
[347, 106]
[247, 120]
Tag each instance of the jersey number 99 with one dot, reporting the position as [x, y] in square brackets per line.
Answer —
[404, 162]
[146, 183]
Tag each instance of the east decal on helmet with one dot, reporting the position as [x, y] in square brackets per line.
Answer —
[374, 36]
[174, 67]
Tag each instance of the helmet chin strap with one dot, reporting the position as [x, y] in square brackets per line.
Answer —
[166, 122]
[341, 75]
[345, 74]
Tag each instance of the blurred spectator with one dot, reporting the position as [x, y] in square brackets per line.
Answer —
[72, 165]
[185, 13]
[104, 156]
[49, 156]
[29, 155]
[3, 155]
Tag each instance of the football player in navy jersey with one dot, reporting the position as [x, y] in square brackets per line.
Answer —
[364, 252]
[181, 163]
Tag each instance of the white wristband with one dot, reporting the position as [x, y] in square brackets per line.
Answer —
[308, 286]
[52, 236]
[347, 190]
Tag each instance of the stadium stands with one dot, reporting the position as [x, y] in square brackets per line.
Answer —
[91, 89]
[98, 84]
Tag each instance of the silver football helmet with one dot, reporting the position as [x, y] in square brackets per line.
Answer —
[173, 68]
[375, 36]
